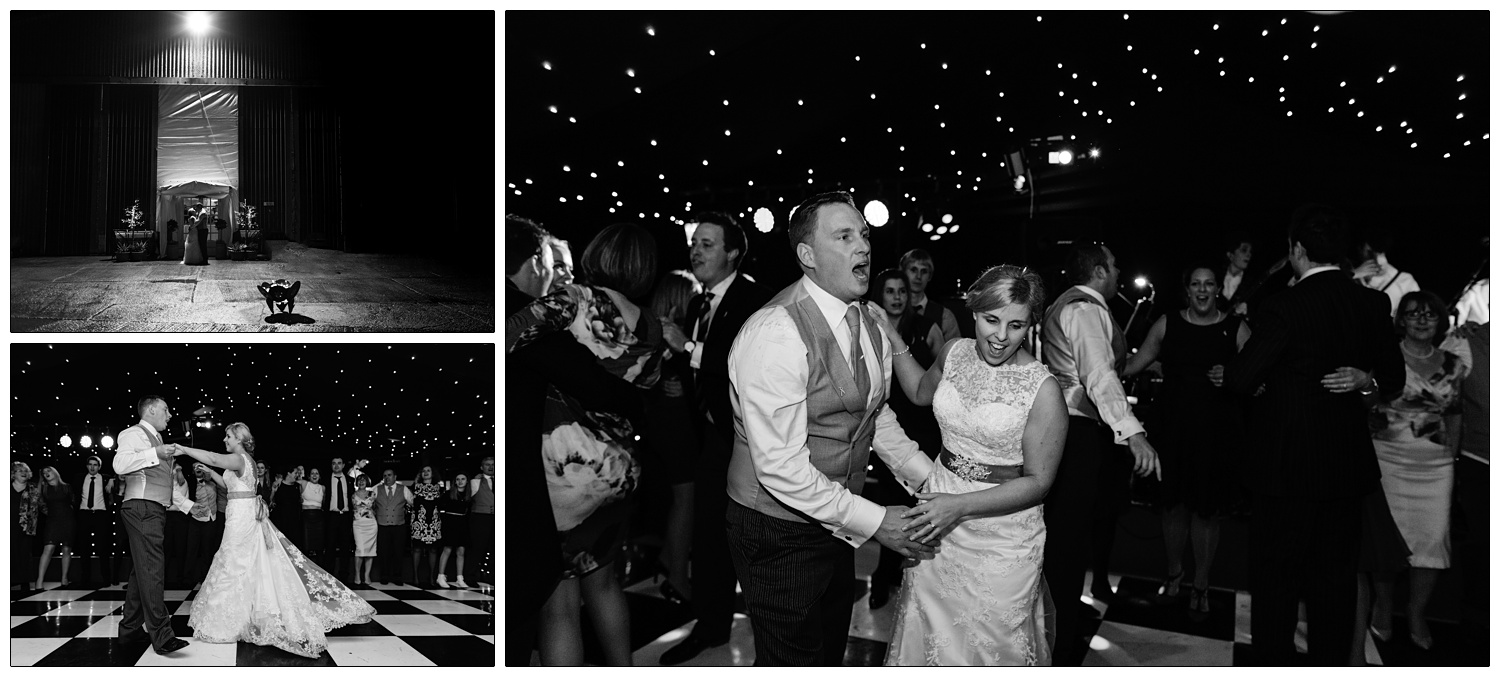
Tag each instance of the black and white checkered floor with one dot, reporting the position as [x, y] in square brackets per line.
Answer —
[1137, 629]
[414, 627]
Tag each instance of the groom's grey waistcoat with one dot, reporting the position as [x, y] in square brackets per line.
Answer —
[155, 482]
[840, 422]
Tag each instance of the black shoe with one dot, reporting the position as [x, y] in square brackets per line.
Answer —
[133, 638]
[688, 649]
[171, 645]
[669, 593]
[880, 593]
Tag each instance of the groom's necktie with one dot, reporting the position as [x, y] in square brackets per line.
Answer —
[857, 353]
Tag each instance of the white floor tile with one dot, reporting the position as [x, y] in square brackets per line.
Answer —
[107, 627]
[1242, 617]
[1117, 644]
[434, 606]
[374, 596]
[462, 594]
[739, 651]
[374, 651]
[487, 638]
[404, 625]
[90, 608]
[29, 650]
[196, 653]
[185, 609]
[17, 620]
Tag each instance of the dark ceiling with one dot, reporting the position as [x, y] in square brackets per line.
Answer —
[1176, 167]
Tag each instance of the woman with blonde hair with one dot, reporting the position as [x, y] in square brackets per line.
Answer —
[57, 508]
[672, 434]
[261, 589]
[25, 505]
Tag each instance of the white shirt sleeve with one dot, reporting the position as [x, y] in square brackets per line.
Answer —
[133, 452]
[180, 501]
[768, 368]
[1089, 328]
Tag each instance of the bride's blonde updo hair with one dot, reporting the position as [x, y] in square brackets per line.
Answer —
[241, 432]
[1005, 285]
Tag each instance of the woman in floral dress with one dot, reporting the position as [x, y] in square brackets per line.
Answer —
[1416, 441]
[590, 457]
[426, 525]
[982, 599]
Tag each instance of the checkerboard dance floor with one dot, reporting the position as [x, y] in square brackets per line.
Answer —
[71, 627]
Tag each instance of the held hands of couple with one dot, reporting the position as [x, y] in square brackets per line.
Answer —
[892, 534]
[935, 516]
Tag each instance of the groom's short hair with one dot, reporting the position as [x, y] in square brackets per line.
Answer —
[145, 403]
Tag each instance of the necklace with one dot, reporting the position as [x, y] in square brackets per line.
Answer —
[1218, 315]
[1430, 351]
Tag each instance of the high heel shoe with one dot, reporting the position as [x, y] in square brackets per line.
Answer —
[1198, 603]
[1172, 586]
[1380, 635]
[1422, 641]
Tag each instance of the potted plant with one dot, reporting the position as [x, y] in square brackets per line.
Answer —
[249, 230]
[122, 250]
[137, 250]
[237, 251]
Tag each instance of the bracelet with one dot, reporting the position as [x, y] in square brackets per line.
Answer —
[904, 352]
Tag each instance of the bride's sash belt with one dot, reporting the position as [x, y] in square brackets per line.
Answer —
[260, 514]
[978, 472]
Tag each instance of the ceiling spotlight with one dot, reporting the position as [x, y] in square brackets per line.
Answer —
[1141, 282]
[107, 442]
[942, 230]
[877, 213]
[85, 441]
[947, 218]
[926, 228]
[198, 23]
[1060, 157]
[65, 441]
[1094, 152]
[764, 220]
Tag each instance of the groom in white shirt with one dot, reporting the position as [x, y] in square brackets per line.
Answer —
[809, 374]
[144, 463]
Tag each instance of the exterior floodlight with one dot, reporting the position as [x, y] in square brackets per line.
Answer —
[877, 213]
[198, 22]
[942, 230]
[764, 220]
[927, 228]
[947, 218]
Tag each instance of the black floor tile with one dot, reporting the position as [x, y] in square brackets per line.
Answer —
[409, 593]
[485, 605]
[106, 595]
[95, 652]
[54, 626]
[861, 653]
[1136, 603]
[34, 608]
[454, 651]
[371, 629]
[394, 608]
[247, 654]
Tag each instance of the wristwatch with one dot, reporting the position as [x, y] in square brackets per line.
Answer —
[689, 345]
[1370, 389]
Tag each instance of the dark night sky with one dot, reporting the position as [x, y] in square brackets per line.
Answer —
[406, 404]
[1178, 167]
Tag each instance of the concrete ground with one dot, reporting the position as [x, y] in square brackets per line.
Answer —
[340, 292]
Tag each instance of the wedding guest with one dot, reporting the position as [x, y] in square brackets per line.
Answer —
[454, 509]
[206, 529]
[1236, 284]
[426, 525]
[286, 505]
[1084, 348]
[339, 507]
[562, 264]
[889, 291]
[57, 522]
[918, 266]
[714, 317]
[672, 433]
[95, 525]
[265, 483]
[364, 528]
[314, 497]
[619, 268]
[175, 538]
[1201, 425]
[392, 503]
[528, 263]
[25, 507]
[1375, 270]
[123, 561]
[482, 523]
[1416, 439]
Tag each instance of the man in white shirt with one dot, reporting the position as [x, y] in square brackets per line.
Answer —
[96, 527]
[810, 373]
[144, 463]
[1085, 350]
[340, 531]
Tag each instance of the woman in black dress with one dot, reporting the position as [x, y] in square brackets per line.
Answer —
[672, 431]
[454, 509]
[57, 523]
[286, 506]
[25, 505]
[1200, 426]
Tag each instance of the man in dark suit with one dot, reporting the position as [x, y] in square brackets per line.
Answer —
[716, 314]
[96, 531]
[1316, 348]
[337, 504]
[557, 360]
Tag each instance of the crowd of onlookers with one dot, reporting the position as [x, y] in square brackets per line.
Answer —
[617, 379]
[356, 526]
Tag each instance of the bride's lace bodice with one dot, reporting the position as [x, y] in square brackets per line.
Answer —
[981, 409]
[242, 479]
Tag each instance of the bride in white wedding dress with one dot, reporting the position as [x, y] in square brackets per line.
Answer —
[982, 599]
[260, 588]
